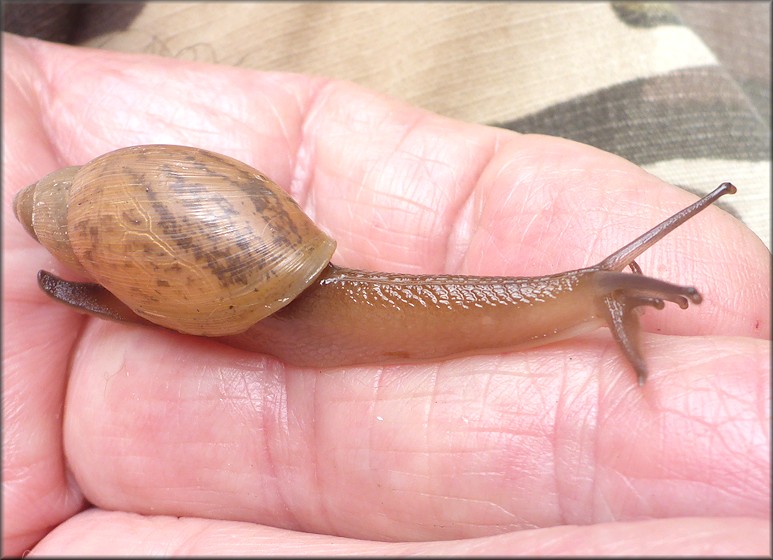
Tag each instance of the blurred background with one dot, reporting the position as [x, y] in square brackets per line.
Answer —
[680, 88]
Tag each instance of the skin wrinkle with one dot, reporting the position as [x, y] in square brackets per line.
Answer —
[345, 238]
[243, 539]
[302, 170]
[264, 404]
[557, 443]
[267, 417]
[373, 416]
[500, 214]
[595, 485]
[600, 507]
[386, 224]
[361, 237]
[431, 443]
[406, 208]
[583, 252]
[49, 123]
[470, 199]
[609, 236]
[89, 107]
[455, 213]
[327, 520]
[763, 402]
[448, 501]
[410, 130]
[46, 73]
[486, 395]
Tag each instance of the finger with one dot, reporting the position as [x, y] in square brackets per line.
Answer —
[36, 342]
[463, 448]
[99, 532]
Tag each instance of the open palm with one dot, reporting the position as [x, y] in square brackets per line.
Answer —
[134, 439]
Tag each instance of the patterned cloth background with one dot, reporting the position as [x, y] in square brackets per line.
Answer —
[682, 89]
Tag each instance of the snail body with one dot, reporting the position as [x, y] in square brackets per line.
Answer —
[203, 244]
[395, 318]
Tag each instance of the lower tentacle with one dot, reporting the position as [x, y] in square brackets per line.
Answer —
[623, 322]
[646, 287]
[621, 293]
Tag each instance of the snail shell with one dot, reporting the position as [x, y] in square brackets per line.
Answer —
[188, 239]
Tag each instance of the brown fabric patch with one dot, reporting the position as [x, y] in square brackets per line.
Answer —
[646, 14]
[68, 23]
[739, 35]
[660, 118]
[52, 22]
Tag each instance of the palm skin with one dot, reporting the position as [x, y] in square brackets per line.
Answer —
[128, 438]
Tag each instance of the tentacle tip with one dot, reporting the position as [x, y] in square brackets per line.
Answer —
[728, 188]
[694, 296]
[681, 301]
[641, 372]
[46, 281]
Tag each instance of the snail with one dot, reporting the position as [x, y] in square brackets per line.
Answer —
[203, 244]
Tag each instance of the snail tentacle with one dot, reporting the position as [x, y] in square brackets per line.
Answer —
[88, 298]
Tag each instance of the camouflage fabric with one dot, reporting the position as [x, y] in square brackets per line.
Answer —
[682, 89]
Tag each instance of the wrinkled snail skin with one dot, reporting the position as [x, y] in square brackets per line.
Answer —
[395, 318]
[203, 244]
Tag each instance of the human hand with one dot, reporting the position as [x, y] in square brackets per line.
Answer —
[138, 440]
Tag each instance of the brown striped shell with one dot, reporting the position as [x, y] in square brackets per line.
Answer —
[189, 239]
